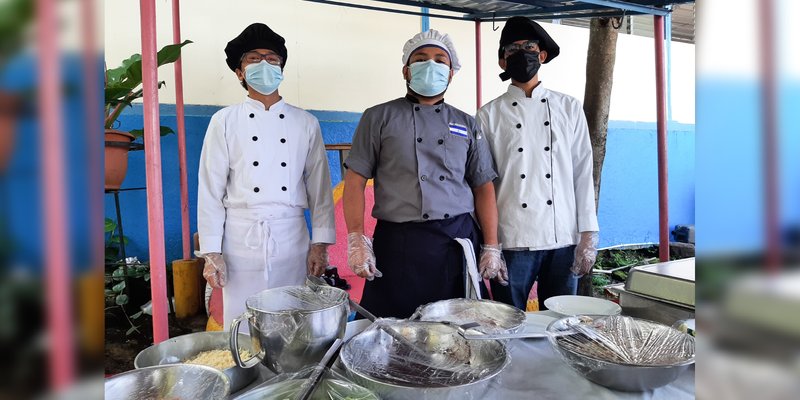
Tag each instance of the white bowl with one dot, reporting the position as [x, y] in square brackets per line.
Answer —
[580, 305]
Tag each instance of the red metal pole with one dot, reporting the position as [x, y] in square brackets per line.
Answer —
[478, 102]
[661, 126]
[57, 256]
[769, 118]
[185, 231]
[152, 152]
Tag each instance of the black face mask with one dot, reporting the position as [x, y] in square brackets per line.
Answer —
[521, 66]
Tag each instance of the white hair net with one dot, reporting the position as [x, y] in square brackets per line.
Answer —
[432, 37]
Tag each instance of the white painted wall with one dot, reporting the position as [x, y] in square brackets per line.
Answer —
[346, 59]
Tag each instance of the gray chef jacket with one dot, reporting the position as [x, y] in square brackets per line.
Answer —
[424, 160]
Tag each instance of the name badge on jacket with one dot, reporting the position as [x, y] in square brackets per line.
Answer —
[458, 130]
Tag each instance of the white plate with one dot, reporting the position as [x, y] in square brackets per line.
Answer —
[536, 323]
[580, 305]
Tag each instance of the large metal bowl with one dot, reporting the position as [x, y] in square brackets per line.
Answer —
[494, 317]
[615, 375]
[181, 348]
[373, 360]
[327, 389]
[174, 382]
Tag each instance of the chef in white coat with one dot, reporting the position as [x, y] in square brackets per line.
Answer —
[263, 163]
[545, 193]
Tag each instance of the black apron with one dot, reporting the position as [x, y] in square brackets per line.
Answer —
[421, 263]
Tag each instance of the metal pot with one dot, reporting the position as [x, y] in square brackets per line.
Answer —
[180, 348]
[177, 381]
[291, 327]
[375, 361]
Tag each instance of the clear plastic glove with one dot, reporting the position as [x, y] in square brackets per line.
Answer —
[585, 253]
[360, 257]
[317, 259]
[492, 265]
[215, 272]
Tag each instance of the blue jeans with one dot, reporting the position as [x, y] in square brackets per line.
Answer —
[551, 268]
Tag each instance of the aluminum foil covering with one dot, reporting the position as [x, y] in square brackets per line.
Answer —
[428, 355]
[622, 340]
[333, 386]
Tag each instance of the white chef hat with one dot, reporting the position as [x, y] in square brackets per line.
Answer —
[432, 37]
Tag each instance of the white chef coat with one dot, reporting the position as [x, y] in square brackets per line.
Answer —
[259, 169]
[542, 151]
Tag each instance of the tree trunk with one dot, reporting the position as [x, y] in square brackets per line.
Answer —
[596, 100]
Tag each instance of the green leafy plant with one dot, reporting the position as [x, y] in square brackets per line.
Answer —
[115, 293]
[122, 85]
[113, 241]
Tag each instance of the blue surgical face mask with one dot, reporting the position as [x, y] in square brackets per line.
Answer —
[429, 78]
[263, 77]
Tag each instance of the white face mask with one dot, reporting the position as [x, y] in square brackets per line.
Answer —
[429, 78]
[263, 77]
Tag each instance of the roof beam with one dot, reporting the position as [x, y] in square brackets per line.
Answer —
[531, 11]
[622, 5]
[391, 10]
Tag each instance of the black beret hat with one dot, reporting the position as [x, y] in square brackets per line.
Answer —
[523, 28]
[255, 36]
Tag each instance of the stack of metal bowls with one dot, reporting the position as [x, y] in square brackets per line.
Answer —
[179, 381]
[181, 348]
[622, 353]
[442, 365]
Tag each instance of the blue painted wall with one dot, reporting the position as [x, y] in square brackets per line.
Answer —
[628, 202]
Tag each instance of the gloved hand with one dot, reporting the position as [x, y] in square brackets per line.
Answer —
[214, 271]
[360, 257]
[585, 253]
[492, 265]
[317, 259]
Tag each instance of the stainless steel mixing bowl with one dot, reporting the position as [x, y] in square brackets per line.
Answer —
[174, 382]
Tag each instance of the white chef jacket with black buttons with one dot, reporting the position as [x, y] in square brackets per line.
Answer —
[259, 169]
[543, 154]
[425, 160]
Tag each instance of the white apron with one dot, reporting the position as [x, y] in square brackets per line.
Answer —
[263, 249]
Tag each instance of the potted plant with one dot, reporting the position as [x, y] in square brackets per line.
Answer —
[121, 89]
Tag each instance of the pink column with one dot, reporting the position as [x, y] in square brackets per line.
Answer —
[769, 118]
[478, 102]
[185, 230]
[152, 152]
[57, 256]
[661, 125]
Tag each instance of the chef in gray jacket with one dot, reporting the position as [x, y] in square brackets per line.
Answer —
[432, 169]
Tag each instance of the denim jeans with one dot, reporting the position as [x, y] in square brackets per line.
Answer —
[551, 268]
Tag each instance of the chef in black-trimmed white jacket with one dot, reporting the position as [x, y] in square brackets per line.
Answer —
[263, 162]
[545, 193]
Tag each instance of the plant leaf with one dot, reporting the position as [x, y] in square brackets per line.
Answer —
[118, 274]
[119, 287]
[133, 329]
[110, 225]
[137, 315]
[165, 130]
[170, 53]
[121, 300]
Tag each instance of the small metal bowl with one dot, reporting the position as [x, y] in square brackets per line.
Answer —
[178, 381]
[616, 375]
[494, 317]
[180, 348]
